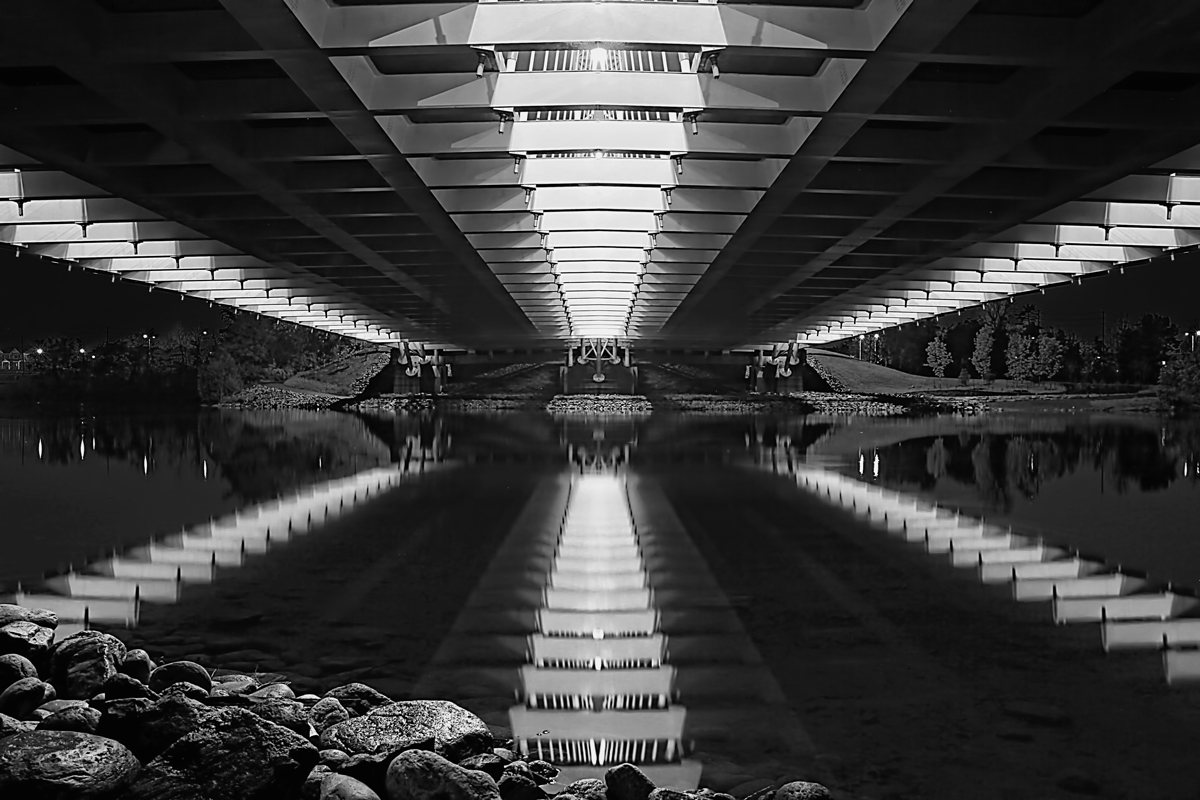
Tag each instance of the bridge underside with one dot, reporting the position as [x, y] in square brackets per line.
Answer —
[679, 174]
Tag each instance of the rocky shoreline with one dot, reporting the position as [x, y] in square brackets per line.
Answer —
[605, 404]
[87, 718]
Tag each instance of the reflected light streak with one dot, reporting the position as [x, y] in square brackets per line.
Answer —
[1132, 611]
[111, 590]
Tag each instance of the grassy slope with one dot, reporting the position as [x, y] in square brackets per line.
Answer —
[866, 378]
[342, 377]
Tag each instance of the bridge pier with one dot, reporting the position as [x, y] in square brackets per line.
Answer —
[416, 372]
[599, 366]
[781, 371]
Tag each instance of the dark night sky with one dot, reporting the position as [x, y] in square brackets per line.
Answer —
[39, 298]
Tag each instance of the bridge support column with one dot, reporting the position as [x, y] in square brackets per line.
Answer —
[599, 366]
[402, 382]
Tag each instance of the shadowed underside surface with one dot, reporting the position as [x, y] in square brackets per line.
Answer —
[690, 174]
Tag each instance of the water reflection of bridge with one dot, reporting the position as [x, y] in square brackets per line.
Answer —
[110, 591]
[1133, 611]
[601, 618]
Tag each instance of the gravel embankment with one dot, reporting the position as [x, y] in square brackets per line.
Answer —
[394, 402]
[622, 404]
[276, 397]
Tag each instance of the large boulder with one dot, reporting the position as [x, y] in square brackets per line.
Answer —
[291, 714]
[237, 756]
[457, 733]
[21, 698]
[13, 667]
[274, 691]
[82, 719]
[488, 763]
[358, 698]
[25, 638]
[167, 721]
[137, 664]
[122, 686]
[10, 725]
[587, 789]
[180, 671]
[64, 765]
[371, 768]
[514, 786]
[343, 787]
[802, 790]
[627, 782]
[327, 712]
[120, 719]
[38, 616]
[421, 775]
[80, 665]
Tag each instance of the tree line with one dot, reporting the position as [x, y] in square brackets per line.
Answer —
[184, 365]
[1001, 340]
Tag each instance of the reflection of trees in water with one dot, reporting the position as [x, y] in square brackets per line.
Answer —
[265, 453]
[1004, 467]
[147, 442]
[259, 453]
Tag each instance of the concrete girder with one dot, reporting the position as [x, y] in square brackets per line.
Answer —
[85, 248]
[506, 222]
[1028, 251]
[713, 201]
[690, 241]
[977, 266]
[159, 275]
[684, 26]
[493, 241]
[1109, 216]
[143, 233]
[143, 264]
[677, 268]
[553, 221]
[684, 256]
[520, 268]
[278, 31]
[601, 198]
[192, 266]
[598, 238]
[702, 223]
[1067, 235]
[692, 172]
[598, 256]
[105, 209]
[146, 93]
[1161, 189]
[675, 138]
[514, 91]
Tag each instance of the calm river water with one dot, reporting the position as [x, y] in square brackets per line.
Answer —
[659, 590]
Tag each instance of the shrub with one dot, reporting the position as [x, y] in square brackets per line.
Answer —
[1179, 385]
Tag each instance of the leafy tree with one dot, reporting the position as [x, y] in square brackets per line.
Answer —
[937, 355]
[1142, 348]
[981, 356]
[1179, 384]
[1048, 357]
[1019, 357]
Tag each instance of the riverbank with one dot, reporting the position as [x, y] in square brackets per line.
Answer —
[88, 716]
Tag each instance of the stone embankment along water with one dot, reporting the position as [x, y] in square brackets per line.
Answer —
[110, 591]
[86, 718]
[1134, 612]
[599, 404]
